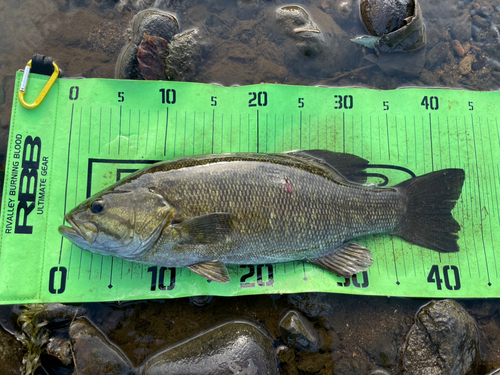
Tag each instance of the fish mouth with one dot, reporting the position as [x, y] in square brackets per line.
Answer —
[85, 232]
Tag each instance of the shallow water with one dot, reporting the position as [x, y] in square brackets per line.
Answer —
[243, 44]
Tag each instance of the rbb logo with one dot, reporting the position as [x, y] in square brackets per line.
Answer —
[28, 183]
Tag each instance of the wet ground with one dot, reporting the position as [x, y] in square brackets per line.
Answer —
[242, 43]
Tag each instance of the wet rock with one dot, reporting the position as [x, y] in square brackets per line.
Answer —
[151, 57]
[437, 54]
[343, 8]
[94, 353]
[312, 41]
[443, 340]
[457, 48]
[153, 22]
[11, 354]
[465, 65]
[236, 347]
[183, 55]
[384, 16]
[299, 25]
[296, 330]
[59, 347]
[460, 28]
[200, 300]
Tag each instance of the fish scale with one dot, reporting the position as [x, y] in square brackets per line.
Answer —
[269, 218]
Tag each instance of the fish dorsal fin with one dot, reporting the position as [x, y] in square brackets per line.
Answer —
[346, 260]
[351, 167]
[205, 229]
[215, 271]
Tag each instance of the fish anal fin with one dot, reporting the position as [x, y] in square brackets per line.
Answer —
[215, 271]
[346, 260]
[351, 167]
[206, 229]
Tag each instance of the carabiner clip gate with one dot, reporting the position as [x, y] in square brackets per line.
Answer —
[43, 93]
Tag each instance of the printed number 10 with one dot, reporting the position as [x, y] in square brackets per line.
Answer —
[168, 96]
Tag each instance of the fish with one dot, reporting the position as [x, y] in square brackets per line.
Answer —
[203, 212]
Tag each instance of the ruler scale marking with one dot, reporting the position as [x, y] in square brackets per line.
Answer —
[478, 200]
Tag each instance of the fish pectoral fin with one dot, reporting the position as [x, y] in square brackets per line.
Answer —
[205, 229]
[351, 167]
[215, 271]
[346, 260]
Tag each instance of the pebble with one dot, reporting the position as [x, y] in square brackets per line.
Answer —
[59, 347]
[457, 47]
[465, 65]
[443, 340]
[296, 330]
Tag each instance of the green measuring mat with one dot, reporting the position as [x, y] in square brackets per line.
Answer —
[88, 133]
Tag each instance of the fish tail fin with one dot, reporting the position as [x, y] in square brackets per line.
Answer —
[431, 198]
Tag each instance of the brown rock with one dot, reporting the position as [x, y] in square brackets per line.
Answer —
[151, 56]
[457, 48]
[465, 66]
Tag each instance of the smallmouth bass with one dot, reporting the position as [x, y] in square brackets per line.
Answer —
[202, 212]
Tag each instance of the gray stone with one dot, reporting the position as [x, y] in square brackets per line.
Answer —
[183, 55]
[460, 29]
[154, 22]
[94, 353]
[236, 347]
[200, 300]
[11, 354]
[443, 340]
[313, 40]
[437, 54]
[59, 347]
[296, 330]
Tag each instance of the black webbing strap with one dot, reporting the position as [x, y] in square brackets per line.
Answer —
[42, 65]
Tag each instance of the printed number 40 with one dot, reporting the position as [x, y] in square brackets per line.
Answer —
[435, 277]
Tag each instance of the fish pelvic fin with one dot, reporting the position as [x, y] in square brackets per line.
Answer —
[431, 198]
[346, 260]
[215, 271]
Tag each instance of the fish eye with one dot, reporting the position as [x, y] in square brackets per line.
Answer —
[97, 206]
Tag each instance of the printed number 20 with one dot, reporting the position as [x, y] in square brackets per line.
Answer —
[260, 97]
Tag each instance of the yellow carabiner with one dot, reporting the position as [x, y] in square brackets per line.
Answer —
[43, 93]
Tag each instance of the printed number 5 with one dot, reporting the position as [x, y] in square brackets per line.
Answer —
[121, 98]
